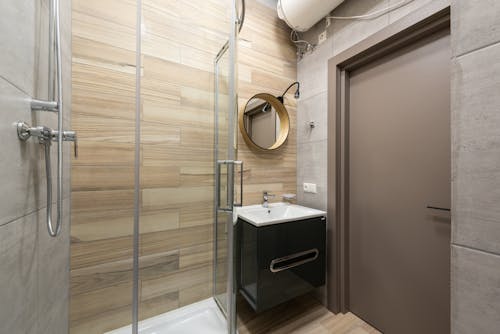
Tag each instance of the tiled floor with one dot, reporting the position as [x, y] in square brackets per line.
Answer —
[304, 315]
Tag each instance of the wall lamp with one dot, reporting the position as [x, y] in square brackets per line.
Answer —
[281, 98]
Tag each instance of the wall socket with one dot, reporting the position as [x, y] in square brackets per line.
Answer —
[310, 188]
[322, 37]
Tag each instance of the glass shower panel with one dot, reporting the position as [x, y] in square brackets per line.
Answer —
[222, 98]
[225, 165]
[102, 182]
[179, 42]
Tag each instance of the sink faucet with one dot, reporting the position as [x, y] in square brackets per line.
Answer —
[265, 197]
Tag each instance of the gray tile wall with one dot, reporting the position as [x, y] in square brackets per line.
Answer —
[312, 74]
[34, 268]
[476, 167]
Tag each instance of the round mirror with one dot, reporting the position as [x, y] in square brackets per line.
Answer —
[264, 123]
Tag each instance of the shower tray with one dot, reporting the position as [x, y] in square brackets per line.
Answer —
[200, 317]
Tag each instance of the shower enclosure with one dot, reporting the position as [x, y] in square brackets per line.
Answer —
[154, 107]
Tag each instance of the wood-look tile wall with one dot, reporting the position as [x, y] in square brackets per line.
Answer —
[179, 42]
[104, 86]
[267, 63]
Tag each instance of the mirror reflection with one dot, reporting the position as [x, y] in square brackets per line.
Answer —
[261, 122]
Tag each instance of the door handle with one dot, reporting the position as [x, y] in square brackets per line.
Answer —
[229, 184]
[239, 163]
[437, 208]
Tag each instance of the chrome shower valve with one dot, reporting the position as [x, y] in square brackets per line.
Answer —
[45, 135]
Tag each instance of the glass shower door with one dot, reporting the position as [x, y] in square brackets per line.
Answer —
[179, 42]
[143, 187]
[225, 193]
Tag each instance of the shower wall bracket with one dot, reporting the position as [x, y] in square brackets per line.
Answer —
[44, 105]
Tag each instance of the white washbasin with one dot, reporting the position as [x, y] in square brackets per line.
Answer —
[276, 213]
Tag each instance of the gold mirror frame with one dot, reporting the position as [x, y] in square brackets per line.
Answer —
[282, 114]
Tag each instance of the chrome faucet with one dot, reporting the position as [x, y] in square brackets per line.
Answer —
[265, 198]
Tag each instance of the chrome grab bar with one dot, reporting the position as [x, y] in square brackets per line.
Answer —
[285, 261]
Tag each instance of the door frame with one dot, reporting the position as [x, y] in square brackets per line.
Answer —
[425, 21]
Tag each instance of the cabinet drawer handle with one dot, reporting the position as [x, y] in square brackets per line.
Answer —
[293, 260]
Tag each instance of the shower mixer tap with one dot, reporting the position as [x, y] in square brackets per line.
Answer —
[46, 135]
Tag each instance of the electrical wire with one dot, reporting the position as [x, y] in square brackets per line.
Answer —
[372, 15]
[294, 35]
[302, 45]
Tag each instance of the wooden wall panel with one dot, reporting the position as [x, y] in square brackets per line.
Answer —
[179, 42]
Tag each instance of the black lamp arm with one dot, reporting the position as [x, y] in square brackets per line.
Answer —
[281, 98]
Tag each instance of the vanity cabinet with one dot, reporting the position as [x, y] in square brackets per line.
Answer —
[280, 262]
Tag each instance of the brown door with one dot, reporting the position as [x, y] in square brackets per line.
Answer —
[399, 163]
